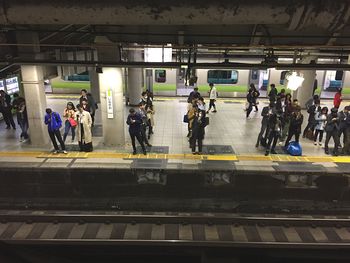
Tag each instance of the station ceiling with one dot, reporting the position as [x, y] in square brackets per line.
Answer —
[254, 25]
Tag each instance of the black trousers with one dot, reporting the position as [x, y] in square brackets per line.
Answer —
[320, 134]
[92, 114]
[8, 118]
[249, 109]
[272, 140]
[194, 142]
[342, 132]
[212, 104]
[310, 125]
[346, 148]
[263, 130]
[143, 134]
[139, 139]
[335, 135]
[292, 133]
[56, 134]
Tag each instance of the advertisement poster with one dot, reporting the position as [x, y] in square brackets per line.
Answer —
[12, 85]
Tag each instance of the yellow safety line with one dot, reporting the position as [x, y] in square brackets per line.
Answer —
[220, 157]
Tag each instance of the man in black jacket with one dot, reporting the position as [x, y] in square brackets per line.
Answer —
[273, 93]
[91, 104]
[312, 110]
[134, 121]
[274, 132]
[193, 95]
[295, 125]
[266, 113]
[5, 109]
[332, 130]
[343, 115]
[346, 148]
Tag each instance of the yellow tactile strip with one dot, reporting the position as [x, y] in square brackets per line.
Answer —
[255, 158]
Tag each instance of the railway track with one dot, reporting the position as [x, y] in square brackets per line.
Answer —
[174, 229]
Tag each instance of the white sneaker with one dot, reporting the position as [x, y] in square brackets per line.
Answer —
[280, 143]
[315, 143]
[56, 152]
[320, 144]
[65, 152]
[21, 140]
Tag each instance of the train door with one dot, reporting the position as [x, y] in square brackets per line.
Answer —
[181, 88]
[260, 78]
[149, 80]
[333, 80]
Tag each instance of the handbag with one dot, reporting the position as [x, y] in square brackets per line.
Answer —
[310, 134]
[72, 122]
[185, 119]
[206, 121]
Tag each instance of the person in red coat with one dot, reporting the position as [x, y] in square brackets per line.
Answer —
[337, 99]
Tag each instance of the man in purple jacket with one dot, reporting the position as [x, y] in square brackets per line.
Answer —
[54, 123]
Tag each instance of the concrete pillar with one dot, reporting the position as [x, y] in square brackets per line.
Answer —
[135, 75]
[111, 93]
[304, 93]
[34, 91]
[94, 85]
[112, 107]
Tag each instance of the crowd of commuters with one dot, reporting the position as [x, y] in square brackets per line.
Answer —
[78, 119]
[281, 120]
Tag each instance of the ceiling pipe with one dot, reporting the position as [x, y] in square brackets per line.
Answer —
[280, 66]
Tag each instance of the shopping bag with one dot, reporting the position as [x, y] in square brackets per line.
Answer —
[72, 122]
[185, 119]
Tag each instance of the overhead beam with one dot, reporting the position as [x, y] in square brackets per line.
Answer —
[280, 66]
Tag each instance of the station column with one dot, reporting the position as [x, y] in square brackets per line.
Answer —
[33, 87]
[94, 85]
[111, 94]
[135, 76]
[304, 93]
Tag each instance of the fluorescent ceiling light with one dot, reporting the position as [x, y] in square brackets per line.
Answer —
[294, 81]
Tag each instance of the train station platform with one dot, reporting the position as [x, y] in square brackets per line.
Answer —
[229, 144]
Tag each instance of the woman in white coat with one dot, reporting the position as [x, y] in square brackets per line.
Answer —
[83, 131]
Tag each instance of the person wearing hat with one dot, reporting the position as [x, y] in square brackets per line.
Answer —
[332, 131]
[212, 97]
[296, 121]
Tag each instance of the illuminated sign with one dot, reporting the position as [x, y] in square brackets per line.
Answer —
[12, 85]
[158, 54]
[109, 98]
[2, 86]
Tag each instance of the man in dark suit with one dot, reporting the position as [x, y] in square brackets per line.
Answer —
[5, 109]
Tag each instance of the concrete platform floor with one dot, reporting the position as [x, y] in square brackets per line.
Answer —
[228, 128]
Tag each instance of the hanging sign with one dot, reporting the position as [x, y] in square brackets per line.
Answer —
[109, 98]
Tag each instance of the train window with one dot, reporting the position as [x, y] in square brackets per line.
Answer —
[255, 74]
[339, 75]
[283, 77]
[222, 76]
[160, 75]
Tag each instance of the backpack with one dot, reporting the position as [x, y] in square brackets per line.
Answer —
[294, 149]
